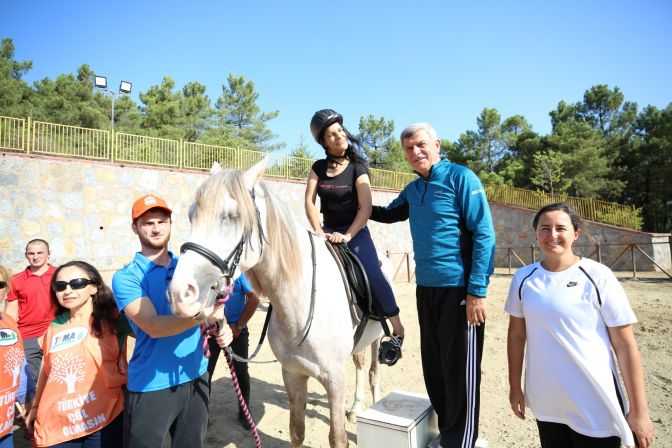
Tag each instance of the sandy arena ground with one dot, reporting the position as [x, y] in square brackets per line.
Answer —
[651, 300]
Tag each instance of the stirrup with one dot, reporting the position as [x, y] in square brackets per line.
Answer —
[390, 350]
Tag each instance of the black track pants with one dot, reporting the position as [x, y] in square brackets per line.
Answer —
[451, 362]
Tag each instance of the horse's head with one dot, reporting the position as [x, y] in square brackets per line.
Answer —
[226, 236]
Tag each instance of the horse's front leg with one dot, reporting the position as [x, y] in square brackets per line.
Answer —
[296, 386]
[359, 359]
[374, 371]
[334, 382]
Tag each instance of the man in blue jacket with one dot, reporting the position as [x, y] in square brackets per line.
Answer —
[454, 244]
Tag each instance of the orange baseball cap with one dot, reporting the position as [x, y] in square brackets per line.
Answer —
[148, 202]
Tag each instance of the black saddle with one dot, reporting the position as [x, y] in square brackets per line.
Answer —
[356, 277]
[362, 305]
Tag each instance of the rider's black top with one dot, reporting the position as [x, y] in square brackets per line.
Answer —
[338, 194]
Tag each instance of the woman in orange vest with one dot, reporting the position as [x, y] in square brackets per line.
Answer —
[14, 384]
[80, 397]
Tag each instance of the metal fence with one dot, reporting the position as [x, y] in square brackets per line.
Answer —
[37, 137]
[594, 210]
[28, 136]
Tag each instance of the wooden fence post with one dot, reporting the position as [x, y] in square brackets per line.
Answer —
[508, 255]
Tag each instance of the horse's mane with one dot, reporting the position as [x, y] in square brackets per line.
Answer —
[281, 255]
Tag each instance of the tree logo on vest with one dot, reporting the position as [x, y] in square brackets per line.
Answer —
[12, 363]
[67, 368]
[65, 339]
[8, 337]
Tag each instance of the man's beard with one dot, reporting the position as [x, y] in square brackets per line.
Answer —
[153, 244]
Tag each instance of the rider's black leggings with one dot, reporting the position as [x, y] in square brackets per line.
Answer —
[362, 246]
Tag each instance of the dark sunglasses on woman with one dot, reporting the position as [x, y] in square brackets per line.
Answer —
[75, 283]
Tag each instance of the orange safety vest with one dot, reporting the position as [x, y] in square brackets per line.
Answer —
[81, 381]
[11, 361]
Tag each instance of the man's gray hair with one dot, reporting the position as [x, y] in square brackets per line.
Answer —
[415, 127]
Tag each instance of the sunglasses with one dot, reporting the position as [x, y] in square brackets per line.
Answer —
[75, 283]
[3, 285]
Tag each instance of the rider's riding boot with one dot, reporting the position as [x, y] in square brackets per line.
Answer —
[390, 350]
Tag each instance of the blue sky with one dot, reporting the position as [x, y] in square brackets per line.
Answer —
[435, 61]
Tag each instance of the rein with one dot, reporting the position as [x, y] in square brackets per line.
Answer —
[309, 322]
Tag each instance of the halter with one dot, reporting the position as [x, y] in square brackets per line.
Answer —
[228, 266]
[223, 265]
[228, 270]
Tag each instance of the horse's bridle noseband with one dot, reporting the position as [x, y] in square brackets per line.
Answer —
[227, 269]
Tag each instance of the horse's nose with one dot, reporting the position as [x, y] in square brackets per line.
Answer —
[184, 298]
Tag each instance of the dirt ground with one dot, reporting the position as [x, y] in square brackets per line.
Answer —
[651, 300]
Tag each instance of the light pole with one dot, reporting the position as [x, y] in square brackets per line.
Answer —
[100, 82]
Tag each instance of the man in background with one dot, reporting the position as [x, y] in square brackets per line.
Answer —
[30, 304]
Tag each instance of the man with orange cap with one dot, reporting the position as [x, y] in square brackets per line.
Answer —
[167, 375]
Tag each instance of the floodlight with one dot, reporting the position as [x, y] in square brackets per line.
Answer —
[100, 82]
[125, 87]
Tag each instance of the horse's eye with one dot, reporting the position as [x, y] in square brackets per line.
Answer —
[230, 215]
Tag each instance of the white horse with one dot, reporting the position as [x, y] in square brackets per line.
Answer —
[235, 215]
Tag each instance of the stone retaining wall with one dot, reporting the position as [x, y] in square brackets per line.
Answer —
[83, 209]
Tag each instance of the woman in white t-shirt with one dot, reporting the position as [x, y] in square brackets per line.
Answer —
[569, 312]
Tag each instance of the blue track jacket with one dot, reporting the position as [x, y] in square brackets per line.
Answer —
[451, 226]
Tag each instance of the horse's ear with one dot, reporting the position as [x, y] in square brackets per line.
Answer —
[254, 174]
[216, 168]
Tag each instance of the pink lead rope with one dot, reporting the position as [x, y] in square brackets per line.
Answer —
[212, 330]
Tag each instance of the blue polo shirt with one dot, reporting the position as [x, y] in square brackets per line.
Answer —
[164, 362]
[236, 304]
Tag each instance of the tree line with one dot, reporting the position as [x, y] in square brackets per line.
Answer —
[602, 147]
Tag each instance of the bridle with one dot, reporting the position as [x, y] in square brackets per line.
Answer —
[234, 257]
[229, 265]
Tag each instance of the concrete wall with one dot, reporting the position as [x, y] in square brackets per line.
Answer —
[83, 209]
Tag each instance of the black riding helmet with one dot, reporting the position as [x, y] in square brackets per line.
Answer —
[321, 120]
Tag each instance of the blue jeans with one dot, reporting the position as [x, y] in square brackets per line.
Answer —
[362, 246]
